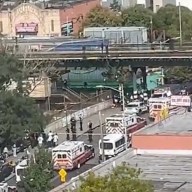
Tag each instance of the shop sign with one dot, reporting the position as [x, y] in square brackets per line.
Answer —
[26, 28]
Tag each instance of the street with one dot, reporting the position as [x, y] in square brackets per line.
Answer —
[83, 137]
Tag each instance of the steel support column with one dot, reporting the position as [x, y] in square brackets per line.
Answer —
[144, 75]
[134, 72]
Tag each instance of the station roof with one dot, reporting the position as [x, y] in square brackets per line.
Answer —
[168, 173]
[176, 124]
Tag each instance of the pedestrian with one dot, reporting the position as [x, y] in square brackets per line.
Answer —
[40, 140]
[90, 137]
[55, 140]
[74, 136]
[5, 152]
[14, 150]
[68, 135]
[90, 131]
[81, 123]
[50, 139]
[90, 125]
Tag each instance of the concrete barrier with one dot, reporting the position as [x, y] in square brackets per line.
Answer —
[101, 169]
[62, 122]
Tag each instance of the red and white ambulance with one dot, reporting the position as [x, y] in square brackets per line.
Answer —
[71, 154]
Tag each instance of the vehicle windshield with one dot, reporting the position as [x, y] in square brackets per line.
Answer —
[132, 105]
[157, 95]
[20, 172]
[113, 124]
[106, 145]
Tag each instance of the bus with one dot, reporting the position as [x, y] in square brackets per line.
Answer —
[113, 145]
[19, 169]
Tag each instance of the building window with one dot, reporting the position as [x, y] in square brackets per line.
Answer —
[1, 26]
[52, 25]
[157, 7]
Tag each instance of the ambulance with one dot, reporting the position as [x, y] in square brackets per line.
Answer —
[158, 104]
[70, 155]
[121, 123]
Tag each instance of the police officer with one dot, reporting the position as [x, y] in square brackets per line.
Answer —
[67, 132]
[73, 128]
[90, 131]
[81, 123]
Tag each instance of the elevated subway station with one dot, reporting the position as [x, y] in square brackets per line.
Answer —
[173, 135]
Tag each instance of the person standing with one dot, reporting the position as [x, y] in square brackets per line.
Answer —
[81, 123]
[14, 150]
[50, 139]
[5, 152]
[40, 140]
[55, 140]
[90, 131]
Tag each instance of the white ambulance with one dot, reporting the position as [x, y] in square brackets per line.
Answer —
[71, 154]
[119, 123]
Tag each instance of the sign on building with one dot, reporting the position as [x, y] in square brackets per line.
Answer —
[181, 100]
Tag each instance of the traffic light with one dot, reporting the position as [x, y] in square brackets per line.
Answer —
[67, 28]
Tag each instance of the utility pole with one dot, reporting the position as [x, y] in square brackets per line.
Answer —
[151, 28]
[102, 142]
[180, 25]
[66, 120]
[123, 96]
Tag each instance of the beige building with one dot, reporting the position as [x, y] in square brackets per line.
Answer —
[29, 19]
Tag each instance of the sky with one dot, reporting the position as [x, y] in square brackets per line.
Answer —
[186, 3]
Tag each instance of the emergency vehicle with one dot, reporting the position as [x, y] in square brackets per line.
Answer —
[71, 154]
[19, 169]
[112, 145]
[161, 93]
[158, 104]
[137, 107]
[119, 123]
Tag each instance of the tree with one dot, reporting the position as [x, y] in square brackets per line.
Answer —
[18, 113]
[137, 16]
[37, 176]
[170, 21]
[178, 74]
[122, 178]
[10, 70]
[102, 17]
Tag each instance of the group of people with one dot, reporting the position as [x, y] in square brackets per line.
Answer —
[73, 123]
[51, 140]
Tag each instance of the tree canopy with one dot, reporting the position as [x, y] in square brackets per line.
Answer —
[140, 16]
[18, 112]
[99, 17]
[36, 177]
[122, 178]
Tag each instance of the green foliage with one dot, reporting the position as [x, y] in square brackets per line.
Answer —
[102, 17]
[37, 176]
[181, 74]
[122, 178]
[167, 19]
[17, 114]
[10, 70]
[137, 16]
[170, 21]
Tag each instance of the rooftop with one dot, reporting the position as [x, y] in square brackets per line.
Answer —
[179, 124]
[113, 137]
[68, 145]
[168, 173]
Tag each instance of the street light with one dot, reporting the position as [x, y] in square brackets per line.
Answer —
[122, 96]
[120, 90]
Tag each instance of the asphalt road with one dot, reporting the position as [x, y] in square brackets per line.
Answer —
[89, 164]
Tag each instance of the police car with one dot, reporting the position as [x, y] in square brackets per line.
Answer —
[136, 107]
